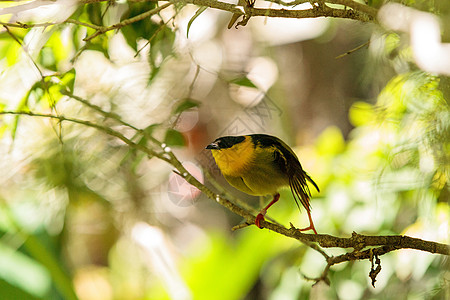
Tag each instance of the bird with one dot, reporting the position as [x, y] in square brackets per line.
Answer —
[260, 165]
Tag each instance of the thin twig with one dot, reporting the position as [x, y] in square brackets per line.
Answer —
[24, 50]
[240, 226]
[98, 109]
[191, 86]
[161, 27]
[111, 115]
[104, 129]
[47, 24]
[353, 50]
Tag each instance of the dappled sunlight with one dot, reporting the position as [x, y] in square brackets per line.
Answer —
[158, 256]
[431, 54]
[40, 11]
[92, 283]
[100, 112]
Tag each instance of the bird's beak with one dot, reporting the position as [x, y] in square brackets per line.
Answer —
[213, 146]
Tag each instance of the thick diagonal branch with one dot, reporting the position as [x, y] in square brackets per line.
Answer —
[382, 244]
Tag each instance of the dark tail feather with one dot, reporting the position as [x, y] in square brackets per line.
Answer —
[312, 181]
[300, 191]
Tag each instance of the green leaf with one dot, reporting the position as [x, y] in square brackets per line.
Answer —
[59, 275]
[23, 272]
[100, 43]
[161, 45]
[197, 13]
[153, 72]
[41, 260]
[56, 44]
[94, 12]
[141, 29]
[54, 51]
[13, 53]
[149, 129]
[3, 129]
[10, 291]
[185, 104]
[134, 157]
[68, 79]
[15, 126]
[47, 58]
[54, 94]
[3, 126]
[174, 138]
[23, 105]
[243, 81]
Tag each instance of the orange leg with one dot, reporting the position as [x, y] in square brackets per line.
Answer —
[263, 211]
[311, 224]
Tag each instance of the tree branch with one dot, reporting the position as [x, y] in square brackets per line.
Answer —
[362, 13]
[378, 245]
[101, 128]
[351, 10]
[356, 241]
[357, 6]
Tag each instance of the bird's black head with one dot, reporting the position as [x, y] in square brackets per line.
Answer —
[225, 142]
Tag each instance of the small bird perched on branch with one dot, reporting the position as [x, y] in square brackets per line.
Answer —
[260, 165]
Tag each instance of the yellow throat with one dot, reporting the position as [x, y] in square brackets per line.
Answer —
[235, 160]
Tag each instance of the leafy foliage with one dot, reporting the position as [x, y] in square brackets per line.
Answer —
[144, 29]
[71, 196]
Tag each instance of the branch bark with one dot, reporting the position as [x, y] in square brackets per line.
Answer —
[358, 12]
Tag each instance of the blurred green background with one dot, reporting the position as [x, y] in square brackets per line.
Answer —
[83, 216]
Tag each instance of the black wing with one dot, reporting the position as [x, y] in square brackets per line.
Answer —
[290, 165]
